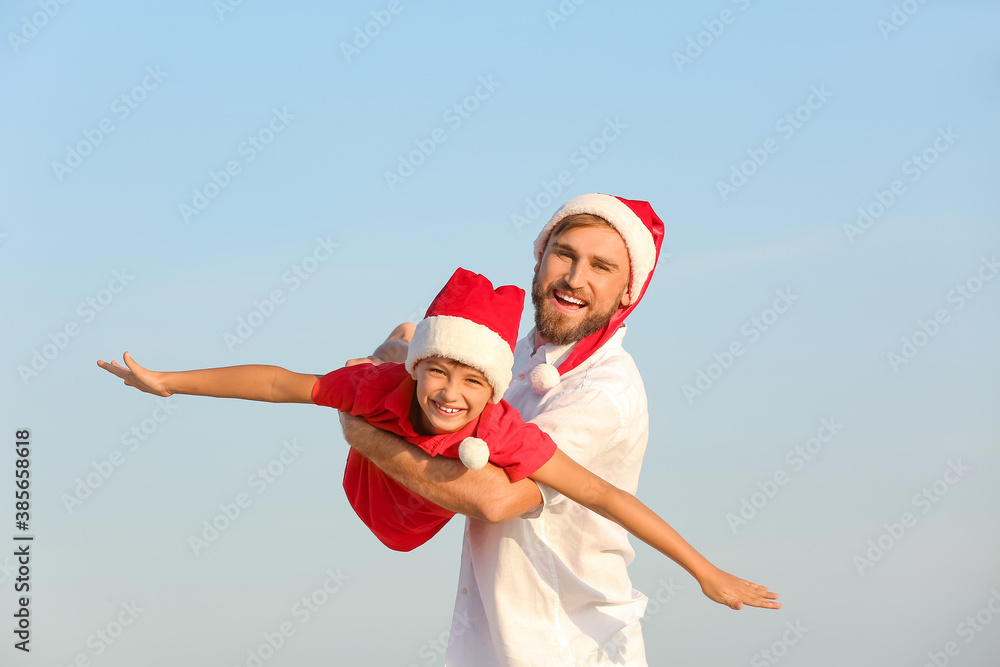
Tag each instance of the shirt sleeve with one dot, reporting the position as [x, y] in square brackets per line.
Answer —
[338, 389]
[589, 425]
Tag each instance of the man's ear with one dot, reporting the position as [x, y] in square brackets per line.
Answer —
[626, 297]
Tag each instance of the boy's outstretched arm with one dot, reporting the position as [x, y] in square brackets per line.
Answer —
[254, 383]
[486, 494]
[579, 484]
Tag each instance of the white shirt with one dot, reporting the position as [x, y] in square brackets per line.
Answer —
[550, 588]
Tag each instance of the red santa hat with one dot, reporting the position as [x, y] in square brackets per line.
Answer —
[642, 231]
[474, 324]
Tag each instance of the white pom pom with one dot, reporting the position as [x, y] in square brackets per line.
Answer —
[543, 377]
[474, 453]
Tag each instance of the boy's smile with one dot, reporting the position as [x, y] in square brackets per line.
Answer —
[450, 395]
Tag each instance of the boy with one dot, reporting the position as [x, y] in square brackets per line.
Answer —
[447, 399]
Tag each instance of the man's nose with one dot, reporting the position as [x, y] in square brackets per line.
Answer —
[575, 275]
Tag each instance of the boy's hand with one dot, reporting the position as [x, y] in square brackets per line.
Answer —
[136, 376]
[734, 592]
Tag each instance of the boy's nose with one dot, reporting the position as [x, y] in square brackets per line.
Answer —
[450, 392]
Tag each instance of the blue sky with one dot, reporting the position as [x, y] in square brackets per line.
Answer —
[756, 131]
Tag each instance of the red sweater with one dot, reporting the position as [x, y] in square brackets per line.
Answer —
[383, 396]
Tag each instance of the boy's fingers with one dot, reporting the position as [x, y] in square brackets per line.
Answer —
[113, 368]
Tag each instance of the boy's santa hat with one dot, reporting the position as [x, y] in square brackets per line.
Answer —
[642, 231]
[474, 324]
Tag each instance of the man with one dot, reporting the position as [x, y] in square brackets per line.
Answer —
[543, 580]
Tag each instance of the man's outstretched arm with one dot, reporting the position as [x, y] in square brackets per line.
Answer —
[486, 494]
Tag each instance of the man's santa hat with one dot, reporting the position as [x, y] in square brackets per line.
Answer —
[475, 325]
[642, 231]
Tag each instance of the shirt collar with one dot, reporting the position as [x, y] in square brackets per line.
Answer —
[556, 354]
[545, 354]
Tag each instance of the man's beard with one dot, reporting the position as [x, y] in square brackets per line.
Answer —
[556, 327]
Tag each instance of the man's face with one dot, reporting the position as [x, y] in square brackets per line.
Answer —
[579, 283]
[449, 394]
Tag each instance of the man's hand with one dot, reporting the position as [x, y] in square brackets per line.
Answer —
[734, 592]
[136, 376]
[364, 360]
[392, 349]
[486, 494]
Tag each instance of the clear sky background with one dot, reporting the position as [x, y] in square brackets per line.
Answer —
[847, 458]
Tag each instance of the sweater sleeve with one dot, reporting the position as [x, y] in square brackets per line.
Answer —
[518, 447]
[339, 388]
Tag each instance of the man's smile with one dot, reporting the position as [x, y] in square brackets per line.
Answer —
[567, 301]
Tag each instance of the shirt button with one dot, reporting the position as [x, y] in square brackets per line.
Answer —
[521, 376]
[465, 591]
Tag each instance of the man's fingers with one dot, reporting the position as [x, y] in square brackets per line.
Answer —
[762, 591]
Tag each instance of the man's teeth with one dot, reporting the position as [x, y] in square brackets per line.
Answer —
[571, 299]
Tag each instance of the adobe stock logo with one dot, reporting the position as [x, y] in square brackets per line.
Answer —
[122, 107]
[31, 26]
[797, 457]
[381, 18]
[753, 328]
[455, 116]
[250, 148]
[88, 310]
[928, 329]
[788, 125]
[914, 167]
[924, 500]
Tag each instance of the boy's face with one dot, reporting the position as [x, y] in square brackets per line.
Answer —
[579, 283]
[450, 394]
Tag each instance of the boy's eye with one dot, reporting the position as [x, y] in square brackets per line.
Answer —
[474, 381]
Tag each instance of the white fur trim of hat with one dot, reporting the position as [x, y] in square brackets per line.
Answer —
[638, 239]
[466, 342]
[474, 453]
